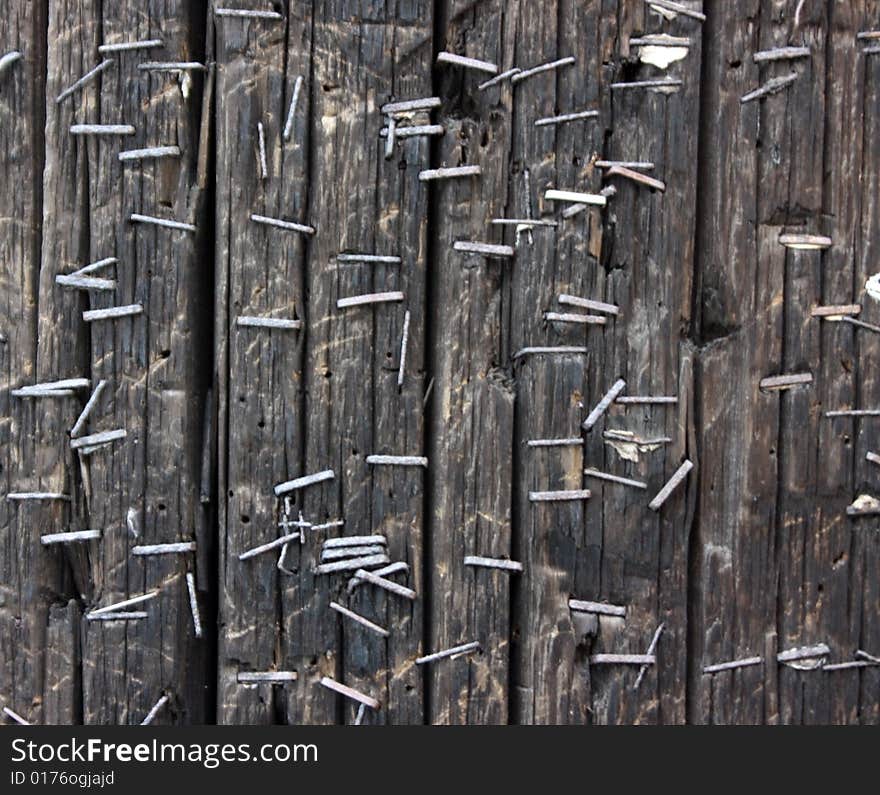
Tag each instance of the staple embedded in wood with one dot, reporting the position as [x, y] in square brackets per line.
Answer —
[349, 692]
[378, 259]
[327, 525]
[547, 121]
[589, 303]
[163, 222]
[341, 553]
[646, 400]
[554, 350]
[595, 473]
[281, 224]
[572, 442]
[781, 54]
[102, 129]
[860, 324]
[493, 563]
[652, 651]
[622, 659]
[282, 559]
[357, 617]
[776, 383]
[679, 475]
[805, 242]
[573, 317]
[70, 537]
[677, 8]
[265, 677]
[455, 651]
[398, 460]
[636, 176]
[449, 173]
[104, 437]
[352, 564]
[499, 78]
[370, 298]
[773, 86]
[134, 600]
[391, 138]
[746, 662]
[268, 547]
[246, 13]
[633, 165]
[467, 63]
[84, 80]
[853, 413]
[172, 66]
[874, 50]
[803, 653]
[865, 656]
[50, 386]
[864, 505]
[872, 457]
[575, 197]
[354, 541]
[844, 666]
[112, 312]
[149, 153]
[261, 138]
[301, 483]
[128, 46]
[602, 406]
[194, 603]
[95, 266]
[597, 608]
[660, 40]
[291, 110]
[414, 131]
[531, 222]
[84, 282]
[251, 321]
[15, 716]
[9, 59]
[407, 106]
[174, 548]
[404, 342]
[359, 717]
[836, 312]
[571, 495]
[154, 710]
[546, 67]
[122, 615]
[865, 35]
[393, 568]
[23, 496]
[666, 84]
[41, 393]
[483, 249]
[388, 585]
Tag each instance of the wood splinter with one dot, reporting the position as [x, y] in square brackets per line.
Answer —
[777, 383]
[493, 563]
[602, 406]
[454, 652]
[467, 63]
[680, 474]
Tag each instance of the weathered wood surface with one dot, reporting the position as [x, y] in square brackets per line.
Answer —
[751, 555]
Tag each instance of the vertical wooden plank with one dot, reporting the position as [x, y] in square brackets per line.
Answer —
[154, 369]
[471, 432]
[24, 572]
[259, 273]
[62, 692]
